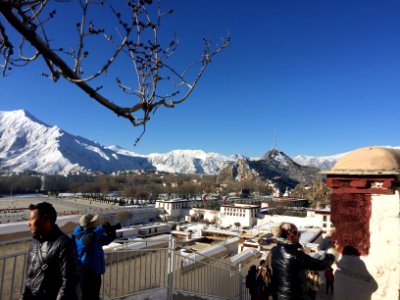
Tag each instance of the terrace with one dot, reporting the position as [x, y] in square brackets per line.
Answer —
[156, 270]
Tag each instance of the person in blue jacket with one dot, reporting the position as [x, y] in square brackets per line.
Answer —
[89, 239]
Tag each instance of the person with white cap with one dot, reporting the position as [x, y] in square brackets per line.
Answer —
[89, 239]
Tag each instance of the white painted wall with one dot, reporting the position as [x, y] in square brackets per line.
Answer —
[246, 216]
[378, 274]
[209, 215]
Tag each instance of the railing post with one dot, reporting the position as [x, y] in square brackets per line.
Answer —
[171, 253]
[240, 282]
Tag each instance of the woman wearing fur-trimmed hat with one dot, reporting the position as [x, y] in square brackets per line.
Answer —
[290, 263]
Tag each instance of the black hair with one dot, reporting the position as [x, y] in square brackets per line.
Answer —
[253, 268]
[349, 250]
[45, 209]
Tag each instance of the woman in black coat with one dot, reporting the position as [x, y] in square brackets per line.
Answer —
[289, 264]
[251, 282]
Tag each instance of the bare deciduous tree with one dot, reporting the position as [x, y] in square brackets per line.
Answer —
[133, 40]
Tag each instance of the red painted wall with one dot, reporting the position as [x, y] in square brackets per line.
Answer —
[351, 207]
[350, 215]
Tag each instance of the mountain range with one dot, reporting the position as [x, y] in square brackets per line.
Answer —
[30, 145]
[275, 167]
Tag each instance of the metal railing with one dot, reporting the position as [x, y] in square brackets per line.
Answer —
[151, 270]
[12, 275]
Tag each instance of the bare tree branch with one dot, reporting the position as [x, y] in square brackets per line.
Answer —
[138, 42]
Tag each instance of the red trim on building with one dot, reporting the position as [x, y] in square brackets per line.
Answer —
[351, 207]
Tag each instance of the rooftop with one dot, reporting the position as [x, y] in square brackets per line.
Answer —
[239, 205]
[175, 200]
[368, 161]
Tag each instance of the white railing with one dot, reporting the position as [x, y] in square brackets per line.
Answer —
[157, 271]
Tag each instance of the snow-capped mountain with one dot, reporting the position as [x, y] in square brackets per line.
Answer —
[321, 162]
[189, 161]
[182, 161]
[27, 144]
[274, 166]
[324, 162]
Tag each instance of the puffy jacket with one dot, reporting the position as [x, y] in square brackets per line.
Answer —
[289, 265]
[89, 245]
[60, 279]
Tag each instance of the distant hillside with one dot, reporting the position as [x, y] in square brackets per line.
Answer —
[275, 166]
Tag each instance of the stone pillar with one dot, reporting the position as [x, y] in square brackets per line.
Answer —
[365, 207]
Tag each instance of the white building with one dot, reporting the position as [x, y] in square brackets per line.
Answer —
[322, 218]
[244, 214]
[174, 208]
[198, 214]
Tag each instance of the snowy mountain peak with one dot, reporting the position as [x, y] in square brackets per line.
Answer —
[321, 162]
[277, 156]
[189, 161]
[27, 144]
[18, 116]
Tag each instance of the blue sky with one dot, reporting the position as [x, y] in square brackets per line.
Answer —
[324, 74]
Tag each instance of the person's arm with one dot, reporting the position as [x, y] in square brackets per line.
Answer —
[99, 231]
[103, 235]
[110, 233]
[310, 263]
[68, 271]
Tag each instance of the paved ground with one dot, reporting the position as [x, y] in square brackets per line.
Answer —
[321, 294]
[10, 207]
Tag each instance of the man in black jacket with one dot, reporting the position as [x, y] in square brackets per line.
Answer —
[51, 266]
[289, 264]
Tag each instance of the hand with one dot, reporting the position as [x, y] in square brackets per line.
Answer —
[117, 226]
[107, 226]
[333, 252]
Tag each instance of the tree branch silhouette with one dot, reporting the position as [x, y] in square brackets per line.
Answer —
[135, 36]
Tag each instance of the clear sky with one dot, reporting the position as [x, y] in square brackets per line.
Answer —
[324, 74]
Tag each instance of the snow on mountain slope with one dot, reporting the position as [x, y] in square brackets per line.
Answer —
[123, 151]
[27, 144]
[324, 162]
[189, 161]
[321, 162]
